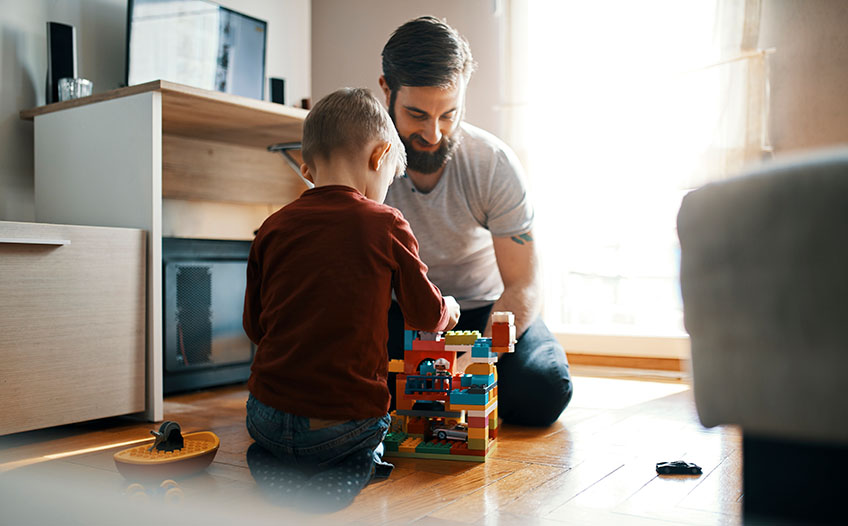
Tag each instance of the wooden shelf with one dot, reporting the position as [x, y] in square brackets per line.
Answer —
[205, 115]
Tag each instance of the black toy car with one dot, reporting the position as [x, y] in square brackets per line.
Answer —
[678, 467]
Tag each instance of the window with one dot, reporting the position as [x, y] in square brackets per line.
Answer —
[629, 105]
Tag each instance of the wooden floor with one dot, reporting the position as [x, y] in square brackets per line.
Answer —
[594, 466]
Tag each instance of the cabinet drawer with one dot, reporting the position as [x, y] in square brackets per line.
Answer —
[72, 324]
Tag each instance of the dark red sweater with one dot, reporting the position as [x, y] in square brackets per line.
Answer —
[319, 281]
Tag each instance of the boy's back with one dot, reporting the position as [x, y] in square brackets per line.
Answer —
[319, 283]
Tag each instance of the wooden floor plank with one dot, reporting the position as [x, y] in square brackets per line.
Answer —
[594, 466]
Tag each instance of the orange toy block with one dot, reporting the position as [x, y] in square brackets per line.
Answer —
[402, 401]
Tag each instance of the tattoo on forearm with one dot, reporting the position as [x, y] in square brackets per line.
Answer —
[520, 239]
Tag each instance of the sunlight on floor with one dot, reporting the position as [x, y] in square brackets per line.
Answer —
[609, 393]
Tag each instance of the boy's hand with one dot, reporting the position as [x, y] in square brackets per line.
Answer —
[453, 309]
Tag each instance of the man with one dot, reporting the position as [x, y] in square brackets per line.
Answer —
[465, 199]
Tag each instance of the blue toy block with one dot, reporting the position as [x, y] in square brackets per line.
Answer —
[483, 352]
[408, 337]
[467, 380]
[466, 398]
[480, 379]
[483, 342]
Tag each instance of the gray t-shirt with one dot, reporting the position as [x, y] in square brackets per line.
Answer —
[481, 194]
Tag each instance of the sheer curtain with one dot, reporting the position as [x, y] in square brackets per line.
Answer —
[617, 109]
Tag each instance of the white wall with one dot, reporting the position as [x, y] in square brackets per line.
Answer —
[809, 72]
[101, 41]
[348, 36]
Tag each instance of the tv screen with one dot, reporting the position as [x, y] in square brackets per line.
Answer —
[197, 43]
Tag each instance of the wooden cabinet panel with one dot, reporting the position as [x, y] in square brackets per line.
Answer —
[72, 324]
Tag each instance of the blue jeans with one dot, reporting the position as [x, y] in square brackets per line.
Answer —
[534, 383]
[289, 438]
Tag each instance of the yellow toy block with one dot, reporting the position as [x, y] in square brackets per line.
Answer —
[482, 369]
[478, 432]
[410, 444]
[478, 443]
[461, 337]
[395, 366]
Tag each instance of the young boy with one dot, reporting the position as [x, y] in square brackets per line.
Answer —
[320, 277]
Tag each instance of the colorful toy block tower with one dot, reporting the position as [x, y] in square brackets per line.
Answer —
[443, 413]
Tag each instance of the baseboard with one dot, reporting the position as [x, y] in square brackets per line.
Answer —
[629, 362]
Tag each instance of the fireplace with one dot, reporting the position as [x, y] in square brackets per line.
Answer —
[203, 283]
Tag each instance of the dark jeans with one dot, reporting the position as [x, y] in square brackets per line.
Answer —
[534, 385]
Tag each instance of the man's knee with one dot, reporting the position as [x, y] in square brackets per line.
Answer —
[534, 397]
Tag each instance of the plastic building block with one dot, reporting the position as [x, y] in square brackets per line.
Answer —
[478, 432]
[395, 366]
[478, 421]
[483, 352]
[477, 410]
[409, 444]
[458, 397]
[502, 334]
[481, 368]
[431, 399]
[461, 337]
[442, 447]
[408, 338]
[428, 345]
[393, 440]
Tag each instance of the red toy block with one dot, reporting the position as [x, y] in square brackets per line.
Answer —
[503, 334]
[478, 421]
[493, 432]
[417, 426]
[428, 345]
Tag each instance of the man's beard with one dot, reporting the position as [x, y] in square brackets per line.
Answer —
[425, 162]
[428, 162]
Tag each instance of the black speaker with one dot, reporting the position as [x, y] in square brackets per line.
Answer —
[278, 90]
[61, 57]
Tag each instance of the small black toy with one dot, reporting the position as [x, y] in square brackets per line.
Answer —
[678, 467]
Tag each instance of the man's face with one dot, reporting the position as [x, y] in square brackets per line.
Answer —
[426, 119]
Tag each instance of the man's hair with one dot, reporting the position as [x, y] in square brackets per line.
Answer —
[426, 52]
[347, 121]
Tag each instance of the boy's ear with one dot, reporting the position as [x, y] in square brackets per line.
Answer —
[379, 155]
[386, 91]
[304, 171]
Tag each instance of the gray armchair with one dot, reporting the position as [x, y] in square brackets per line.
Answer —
[764, 279]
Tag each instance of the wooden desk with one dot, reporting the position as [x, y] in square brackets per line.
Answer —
[110, 159]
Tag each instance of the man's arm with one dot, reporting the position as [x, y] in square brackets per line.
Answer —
[519, 267]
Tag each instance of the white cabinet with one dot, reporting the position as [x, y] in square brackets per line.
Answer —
[114, 158]
[72, 324]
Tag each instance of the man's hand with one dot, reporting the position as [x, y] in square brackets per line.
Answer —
[518, 265]
[453, 310]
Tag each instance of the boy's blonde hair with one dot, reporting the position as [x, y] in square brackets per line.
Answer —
[346, 122]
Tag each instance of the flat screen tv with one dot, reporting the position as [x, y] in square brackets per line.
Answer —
[197, 43]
